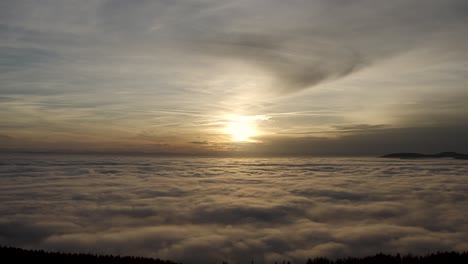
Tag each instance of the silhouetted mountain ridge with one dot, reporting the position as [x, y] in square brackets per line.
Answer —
[409, 155]
[17, 255]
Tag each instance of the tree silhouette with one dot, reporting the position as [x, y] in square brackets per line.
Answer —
[17, 255]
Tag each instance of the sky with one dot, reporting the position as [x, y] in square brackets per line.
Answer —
[222, 77]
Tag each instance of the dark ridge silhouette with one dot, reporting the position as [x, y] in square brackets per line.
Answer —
[435, 258]
[17, 255]
[454, 155]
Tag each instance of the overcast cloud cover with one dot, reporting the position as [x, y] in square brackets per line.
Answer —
[152, 76]
[233, 209]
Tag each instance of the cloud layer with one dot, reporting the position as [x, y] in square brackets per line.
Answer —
[210, 210]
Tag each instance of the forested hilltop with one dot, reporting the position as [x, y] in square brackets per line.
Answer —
[406, 155]
[17, 255]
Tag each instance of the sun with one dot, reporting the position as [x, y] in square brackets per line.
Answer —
[241, 131]
[243, 128]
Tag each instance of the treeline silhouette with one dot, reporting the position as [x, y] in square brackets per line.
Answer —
[435, 258]
[17, 255]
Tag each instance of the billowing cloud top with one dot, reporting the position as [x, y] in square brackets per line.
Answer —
[202, 210]
[153, 76]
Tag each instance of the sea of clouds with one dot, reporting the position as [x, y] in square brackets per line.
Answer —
[237, 210]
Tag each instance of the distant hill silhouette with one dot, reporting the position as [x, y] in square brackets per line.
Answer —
[436, 258]
[17, 255]
[454, 155]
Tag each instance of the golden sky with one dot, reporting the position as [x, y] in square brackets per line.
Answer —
[220, 77]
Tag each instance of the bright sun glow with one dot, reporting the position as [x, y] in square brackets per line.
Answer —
[241, 131]
[243, 128]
